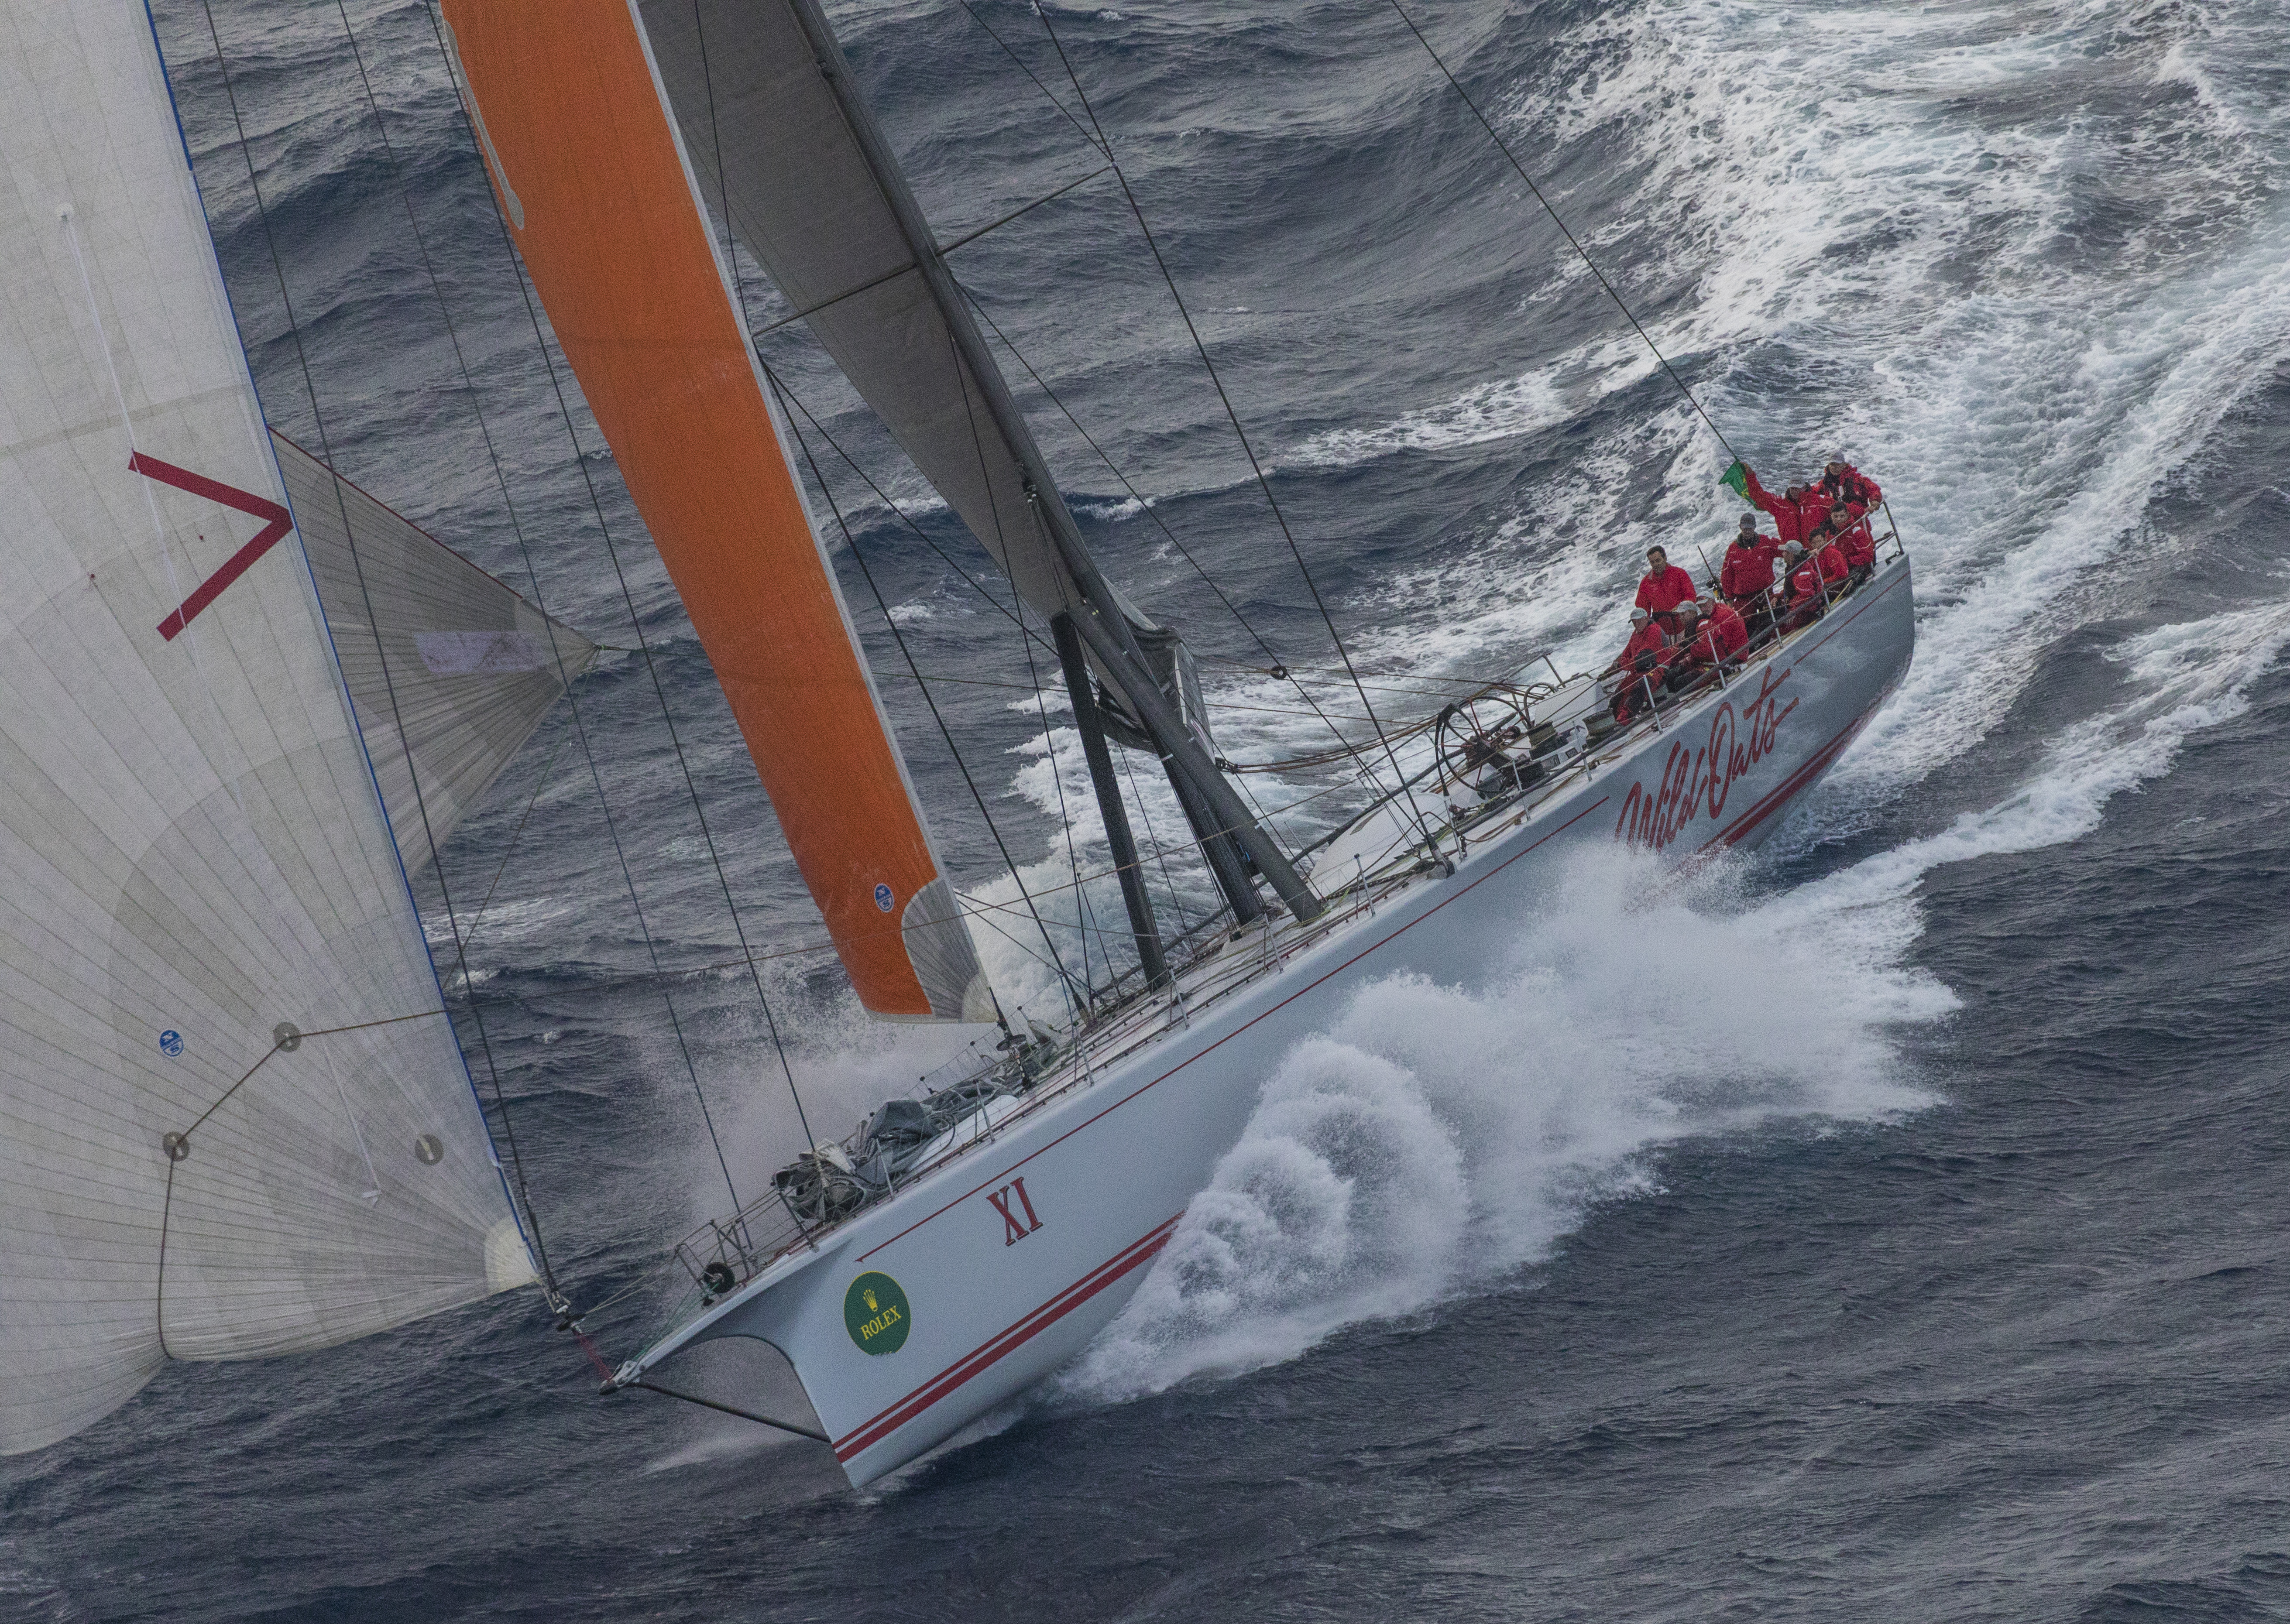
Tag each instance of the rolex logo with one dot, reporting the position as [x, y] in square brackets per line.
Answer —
[875, 1314]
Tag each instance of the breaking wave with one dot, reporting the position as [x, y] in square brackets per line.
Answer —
[1434, 1140]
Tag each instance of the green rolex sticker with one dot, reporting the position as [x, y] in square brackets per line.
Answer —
[875, 1313]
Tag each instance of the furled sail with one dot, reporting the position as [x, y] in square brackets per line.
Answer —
[789, 150]
[448, 670]
[594, 185]
[801, 172]
[233, 1117]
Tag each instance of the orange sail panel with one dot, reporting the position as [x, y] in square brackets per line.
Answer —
[574, 126]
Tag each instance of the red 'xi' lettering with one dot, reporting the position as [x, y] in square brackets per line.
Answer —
[1013, 1231]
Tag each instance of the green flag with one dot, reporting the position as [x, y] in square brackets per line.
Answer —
[1738, 478]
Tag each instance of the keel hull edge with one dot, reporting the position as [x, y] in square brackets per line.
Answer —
[1006, 1261]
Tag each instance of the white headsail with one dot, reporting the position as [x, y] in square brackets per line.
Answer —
[233, 1117]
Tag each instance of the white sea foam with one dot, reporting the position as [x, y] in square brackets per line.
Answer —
[1433, 1140]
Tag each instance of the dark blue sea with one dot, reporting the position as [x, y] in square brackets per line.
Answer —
[1891, 1228]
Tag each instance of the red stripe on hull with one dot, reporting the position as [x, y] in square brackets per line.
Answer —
[869, 1433]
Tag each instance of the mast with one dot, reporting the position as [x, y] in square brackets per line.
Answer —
[1150, 956]
[819, 199]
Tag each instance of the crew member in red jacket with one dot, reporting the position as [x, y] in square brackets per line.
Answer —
[1663, 587]
[1795, 512]
[1853, 541]
[1841, 479]
[1639, 664]
[1718, 633]
[1643, 651]
[1748, 566]
[1682, 661]
[1725, 629]
[1808, 574]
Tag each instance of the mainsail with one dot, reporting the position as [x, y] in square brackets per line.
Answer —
[448, 670]
[788, 148]
[758, 87]
[604, 207]
[234, 1120]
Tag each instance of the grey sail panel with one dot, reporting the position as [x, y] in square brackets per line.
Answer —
[795, 180]
[193, 863]
[449, 670]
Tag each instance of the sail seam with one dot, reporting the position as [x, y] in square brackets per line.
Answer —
[413, 775]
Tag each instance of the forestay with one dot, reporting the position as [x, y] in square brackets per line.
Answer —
[595, 187]
[233, 1117]
[448, 670]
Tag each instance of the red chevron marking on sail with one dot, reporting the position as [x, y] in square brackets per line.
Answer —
[276, 523]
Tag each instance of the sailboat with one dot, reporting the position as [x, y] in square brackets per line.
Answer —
[242, 702]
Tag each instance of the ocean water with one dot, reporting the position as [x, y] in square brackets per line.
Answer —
[1890, 1227]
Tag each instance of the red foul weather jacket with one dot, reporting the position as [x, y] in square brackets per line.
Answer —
[1802, 585]
[1748, 569]
[1725, 630]
[1666, 591]
[1858, 546]
[1853, 488]
[1647, 639]
[1794, 520]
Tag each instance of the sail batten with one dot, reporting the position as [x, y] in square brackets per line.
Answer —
[609, 220]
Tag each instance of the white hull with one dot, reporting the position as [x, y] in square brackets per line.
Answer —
[1004, 1283]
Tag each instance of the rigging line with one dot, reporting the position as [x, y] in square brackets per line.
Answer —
[745, 1415]
[968, 579]
[1094, 141]
[517, 527]
[597, 505]
[1134, 494]
[1077, 1014]
[1503, 147]
[1160, 850]
[390, 686]
[994, 513]
[1240, 432]
[1150, 512]
[524, 549]
[478, 920]
[968, 238]
[945, 732]
[897, 271]
[740, 292]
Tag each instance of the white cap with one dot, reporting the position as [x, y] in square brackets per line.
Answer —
[1638, 614]
[1686, 603]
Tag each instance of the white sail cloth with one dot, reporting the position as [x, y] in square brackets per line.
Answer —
[194, 861]
[448, 670]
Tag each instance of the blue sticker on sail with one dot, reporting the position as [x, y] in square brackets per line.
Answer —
[883, 898]
[171, 1042]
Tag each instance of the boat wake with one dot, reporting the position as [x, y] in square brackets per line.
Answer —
[1434, 1141]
